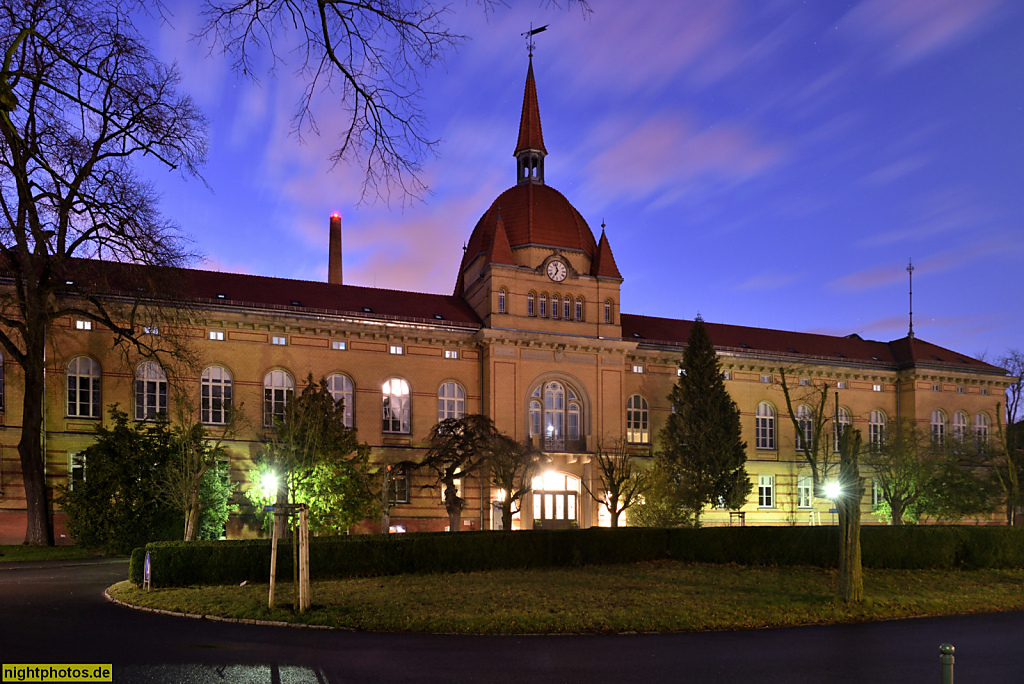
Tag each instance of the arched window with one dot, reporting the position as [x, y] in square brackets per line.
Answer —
[215, 395]
[608, 311]
[567, 308]
[150, 390]
[579, 308]
[278, 389]
[938, 426]
[531, 300]
[543, 306]
[340, 387]
[959, 425]
[637, 430]
[981, 428]
[842, 421]
[84, 388]
[876, 427]
[397, 406]
[805, 435]
[451, 401]
[556, 416]
[555, 299]
[764, 424]
[501, 300]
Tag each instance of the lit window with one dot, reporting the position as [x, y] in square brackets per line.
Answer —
[566, 308]
[876, 388]
[679, 372]
[764, 423]
[278, 389]
[340, 387]
[841, 384]
[804, 382]
[84, 388]
[150, 391]
[981, 428]
[217, 335]
[938, 426]
[876, 493]
[398, 491]
[766, 491]
[281, 341]
[150, 330]
[638, 369]
[804, 491]
[397, 349]
[936, 388]
[959, 425]
[560, 418]
[876, 427]
[451, 401]
[215, 399]
[397, 406]
[501, 300]
[984, 391]
[804, 436]
[839, 425]
[766, 379]
[543, 306]
[83, 325]
[608, 311]
[76, 470]
[961, 389]
[637, 430]
[579, 309]
[530, 303]
[725, 376]
[555, 299]
[339, 345]
[451, 353]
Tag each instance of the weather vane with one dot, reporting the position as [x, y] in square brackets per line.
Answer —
[910, 270]
[530, 45]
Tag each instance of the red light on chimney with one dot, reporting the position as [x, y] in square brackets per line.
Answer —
[336, 215]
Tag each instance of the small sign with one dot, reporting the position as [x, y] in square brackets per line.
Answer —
[833, 510]
[268, 509]
[146, 567]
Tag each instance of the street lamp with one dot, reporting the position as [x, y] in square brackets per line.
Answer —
[269, 482]
[833, 490]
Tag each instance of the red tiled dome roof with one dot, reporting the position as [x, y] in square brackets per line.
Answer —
[535, 214]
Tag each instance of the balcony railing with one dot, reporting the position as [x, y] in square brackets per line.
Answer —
[560, 445]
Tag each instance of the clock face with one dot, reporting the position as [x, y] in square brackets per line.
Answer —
[557, 271]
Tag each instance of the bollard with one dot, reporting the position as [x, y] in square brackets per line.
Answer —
[946, 658]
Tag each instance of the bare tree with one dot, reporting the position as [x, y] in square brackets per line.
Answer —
[511, 466]
[1013, 363]
[903, 463]
[458, 448]
[851, 487]
[814, 440]
[623, 482]
[370, 56]
[82, 98]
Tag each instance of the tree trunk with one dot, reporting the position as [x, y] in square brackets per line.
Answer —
[696, 517]
[192, 516]
[851, 574]
[613, 505]
[39, 527]
[897, 513]
[506, 514]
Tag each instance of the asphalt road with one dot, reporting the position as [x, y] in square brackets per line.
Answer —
[56, 613]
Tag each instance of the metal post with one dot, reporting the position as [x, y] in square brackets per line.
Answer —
[273, 558]
[303, 559]
[946, 658]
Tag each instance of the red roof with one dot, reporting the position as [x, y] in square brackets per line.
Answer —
[903, 352]
[531, 137]
[604, 263]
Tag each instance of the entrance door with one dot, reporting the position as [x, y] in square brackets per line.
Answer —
[554, 510]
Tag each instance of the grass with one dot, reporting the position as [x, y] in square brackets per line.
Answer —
[664, 596]
[23, 552]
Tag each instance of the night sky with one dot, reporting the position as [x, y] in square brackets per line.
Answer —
[763, 163]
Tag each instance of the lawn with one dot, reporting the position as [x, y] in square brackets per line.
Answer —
[22, 552]
[664, 596]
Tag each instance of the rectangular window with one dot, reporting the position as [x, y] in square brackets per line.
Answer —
[936, 388]
[841, 384]
[451, 353]
[280, 341]
[725, 376]
[217, 335]
[984, 391]
[150, 330]
[398, 491]
[876, 493]
[638, 369]
[83, 325]
[805, 382]
[876, 388]
[766, 491]
[337, 344]
[766, 379]
[397, 349]
[804, 491]
[961, 389]
[76, 469]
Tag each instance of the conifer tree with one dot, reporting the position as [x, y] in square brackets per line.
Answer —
[702, 447]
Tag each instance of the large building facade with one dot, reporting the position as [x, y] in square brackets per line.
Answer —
[533, 337]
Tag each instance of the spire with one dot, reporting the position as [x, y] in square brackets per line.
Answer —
[910, 272]
[604, 263]
[530, 150]
[501, 250]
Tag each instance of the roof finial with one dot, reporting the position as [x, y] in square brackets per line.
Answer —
[910, 271]
[530, 45]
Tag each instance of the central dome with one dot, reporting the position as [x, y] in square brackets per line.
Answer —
[534, 215]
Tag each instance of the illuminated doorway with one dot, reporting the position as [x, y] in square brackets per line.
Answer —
[556, 501]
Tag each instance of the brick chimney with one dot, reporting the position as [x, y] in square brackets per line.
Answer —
[334, 261]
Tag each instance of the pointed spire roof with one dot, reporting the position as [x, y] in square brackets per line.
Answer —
[500, 251]
[604, 263]
[530, 135]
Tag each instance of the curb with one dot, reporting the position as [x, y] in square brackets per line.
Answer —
[218, 618]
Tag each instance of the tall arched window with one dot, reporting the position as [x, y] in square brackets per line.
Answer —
[876, 427]
[397, 406]
[278, 389]
[84, 388]
[959, 425]
[764, 424]
[981, 428]
[215, 395]
[150, 390]
[637, 430]
[543, 306]
[608, 311]
[531, 302]
[556, 415]
[567, 308]
[340, 387]
[555, 299]
[501, 300]
[938, 426]
[841, 422]
[451, 401]
[579, 308]
[805, 435]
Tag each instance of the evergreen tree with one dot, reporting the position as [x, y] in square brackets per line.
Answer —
[702, 449]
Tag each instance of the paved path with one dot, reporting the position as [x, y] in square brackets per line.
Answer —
[55, 612]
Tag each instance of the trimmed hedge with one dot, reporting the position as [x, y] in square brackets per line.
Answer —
[231, 562]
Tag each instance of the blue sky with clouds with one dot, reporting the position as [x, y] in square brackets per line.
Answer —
[770, 163]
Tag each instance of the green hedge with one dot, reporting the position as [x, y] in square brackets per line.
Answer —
[232, 562]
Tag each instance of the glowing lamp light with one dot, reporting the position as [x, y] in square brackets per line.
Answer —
[833, 490]
[269, 482]
[336, 215]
